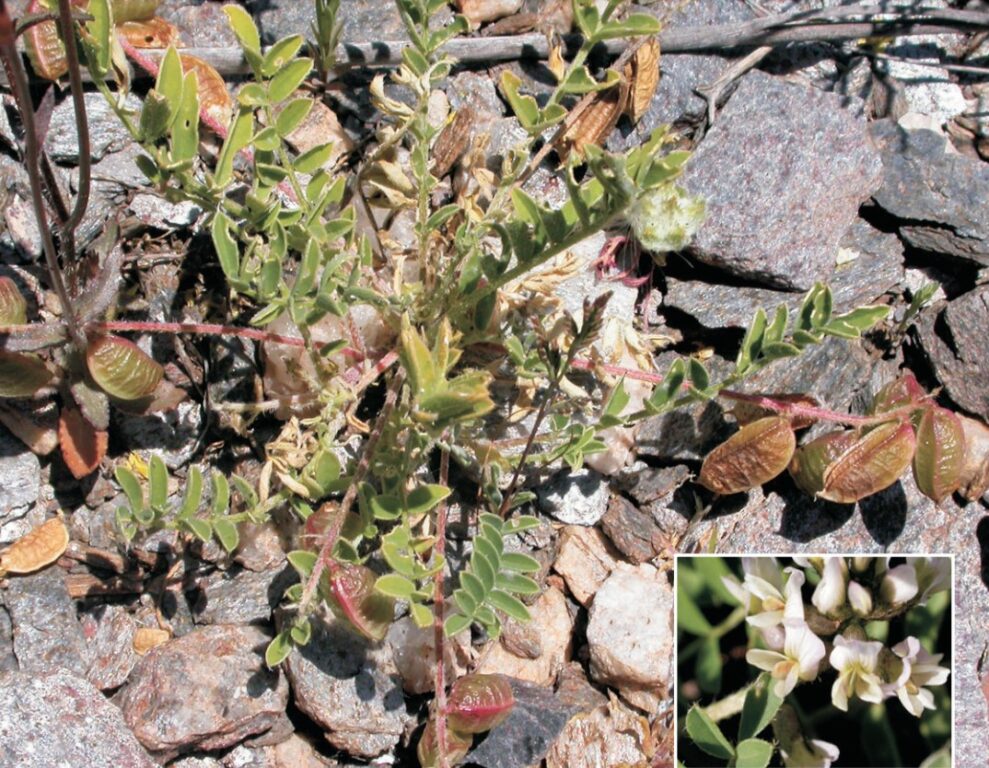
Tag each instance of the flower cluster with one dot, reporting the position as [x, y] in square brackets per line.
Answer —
[799, 635]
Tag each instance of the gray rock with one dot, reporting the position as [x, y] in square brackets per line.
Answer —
[47, 635]
[633, 532]
[203, 24]
[59, 719]
[575, 498]
[205, 691]
[242, 597]
[8, 661]
[155, 212]
[529, 730]
[350, 689]
[940, 197]
[172, 434]
[784, 171]
[870, 263]
[20, 471]
[363, 20]
[106, 132]
[955, 343]
[928, 90]
[110, 629]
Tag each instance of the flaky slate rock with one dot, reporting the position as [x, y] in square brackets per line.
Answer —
[110, 631]
[207, 690]
[106, 132]
[784, 171]
[350, 689]
[956, 344]
[59, 719]
[633, 532]
[240, 596]
[940, 198]
[21, 484]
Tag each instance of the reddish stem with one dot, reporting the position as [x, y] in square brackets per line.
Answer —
[820, 414]
[439, 637]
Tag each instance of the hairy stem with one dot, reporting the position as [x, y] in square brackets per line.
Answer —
[439, 636]
[728, 706]
[66, 27]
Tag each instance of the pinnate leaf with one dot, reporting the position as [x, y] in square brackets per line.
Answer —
[121, 369]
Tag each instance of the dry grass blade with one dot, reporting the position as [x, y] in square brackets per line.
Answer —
[34, 550]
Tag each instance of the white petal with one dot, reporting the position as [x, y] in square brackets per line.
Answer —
[830, 592]
[838, 696]
[899, 585]
[859, 598]
[765, 619]
[794, 598]
[766, 660]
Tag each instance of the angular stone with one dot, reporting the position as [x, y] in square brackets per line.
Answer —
[207, 690]
[576, 498]
[413, 651]
[202, 25]
[363, 21]
[585, 558]
[633, 532]
[242, 596]
[106, 132]
[350, 689]
[58, 719]
[939, 197]
[21, 484]
[47, 635]
[110, 631]
[611, 734]
[784, 171]
[955, 343]
[630, 635]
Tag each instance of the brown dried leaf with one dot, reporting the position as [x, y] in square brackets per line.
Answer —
[974, 480]
[870, 464]
[745, 413]
[593, 125]
[83, 446]
[940, 456]
[644, 78]
[146, 638]
[214, 98]
[754, 455]
[556, 63]
[452, 141]
[39, 547]
[151, 33]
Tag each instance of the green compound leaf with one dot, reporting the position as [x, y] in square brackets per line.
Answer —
[759, 708]
[753, 753]
[278, 649]
[706, 735]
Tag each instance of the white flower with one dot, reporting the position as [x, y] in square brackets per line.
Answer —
[923, 670]
[769, 596]
[933, 575]
[800, 659]
[829, 595]
[809, 754]
[856, 662]
[899, 584]
[859, 598]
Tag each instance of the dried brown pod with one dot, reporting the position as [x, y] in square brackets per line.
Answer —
[214, 98]
[477, 703]
[350, 592]
[146, 638]
[151, 33]
[873, 462]
[754, 455]
[13, 307]
[452, 142]
[83, 446]
[643, 76]
[597, 120]
[43, 44]
[37, 548]
[745, 412]
[940, 456]
[811, 460]
[974, 479]
[901, 392]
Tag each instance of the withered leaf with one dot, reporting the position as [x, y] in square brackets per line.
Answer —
[870, 464]
[452, 142]
[644, 78]
[974, 479]
[477, 703]
[214, 98]
[146, 638]
[150, 33]
[745, 412]
[940, 456]
[37, 548]
[754, 455]
[83, 446]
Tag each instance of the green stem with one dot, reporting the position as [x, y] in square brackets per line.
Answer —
[730, 705]
[733, 619]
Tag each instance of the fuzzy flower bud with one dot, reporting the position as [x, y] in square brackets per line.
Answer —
[830, 593]
[666, 218]
[859, 598]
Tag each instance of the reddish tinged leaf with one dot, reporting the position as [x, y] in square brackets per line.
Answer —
[150, 33]
[13, 307]
[940, 456]
[897, 394]
[133, 10]
[746, 413]
[974, 480]
[812, 459]
[83, 446]
[21, 374]
[121, 369]
[214, 98]
[477, 703]
[351, 593]
[870, 464]
[754, 455]
[457, 745]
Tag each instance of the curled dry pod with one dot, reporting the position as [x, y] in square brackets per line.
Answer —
[745, 412]
[22, 374]
[940, 456]
[349, 589]
[13, 307]
[37, 548]
[812, 459]
[974, 479]
[897, 394]
[214, 98]
[754, 455]
[121, 369]
[643, 74]
[477, 703]
[151, 33]
[870, 464]
[43, 44]
[146, 638]
[133, 10]
[597, 121]
[457, 746]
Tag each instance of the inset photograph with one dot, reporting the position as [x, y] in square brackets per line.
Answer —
[814, 661]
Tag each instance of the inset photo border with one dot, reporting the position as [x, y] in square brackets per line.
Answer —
[814, 660]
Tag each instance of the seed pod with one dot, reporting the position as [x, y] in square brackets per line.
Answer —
[812, 459]
[133, 10]
[746, 413]
[37, 548]
[940, 456]
[350, 592]
[477, 703]
[452, 142]
[13, 307]
[870, 464]
[457, 745]
[974, 478]
[83, 446]
[598, 120]
[214, 98]
[22, 374]
[644, 78]
[43, 44]
[146, 638]
[897, 394]
[754, 455]
[150, 33]
[121, 369]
